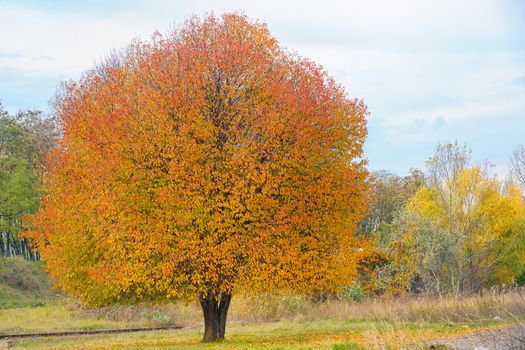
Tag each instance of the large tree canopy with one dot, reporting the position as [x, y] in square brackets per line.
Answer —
[201, 163]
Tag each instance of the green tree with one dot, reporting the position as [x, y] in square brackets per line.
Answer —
[391, 194]
[25, 138]
[388, 270]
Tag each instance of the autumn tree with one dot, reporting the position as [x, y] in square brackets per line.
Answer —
[204, 163]
[465, 230]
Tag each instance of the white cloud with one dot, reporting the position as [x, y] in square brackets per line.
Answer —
[45, 43]
[430, 71]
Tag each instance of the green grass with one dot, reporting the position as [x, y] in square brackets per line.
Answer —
[266, 322]
[286, 334]
[22, 283]
[58, 316]
[326, 334]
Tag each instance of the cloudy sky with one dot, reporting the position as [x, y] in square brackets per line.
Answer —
[430, 71]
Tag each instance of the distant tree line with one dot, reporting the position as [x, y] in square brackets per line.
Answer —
[10, 243]
[25, 138]
[455, 228]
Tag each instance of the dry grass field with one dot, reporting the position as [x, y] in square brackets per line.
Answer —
[265, 322]
[271, 322]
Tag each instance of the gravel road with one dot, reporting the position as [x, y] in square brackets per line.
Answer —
[501, 338]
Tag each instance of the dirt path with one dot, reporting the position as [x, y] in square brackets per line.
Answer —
[501, 338]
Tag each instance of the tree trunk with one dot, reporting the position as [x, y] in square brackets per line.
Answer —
[8, 243]
[2, 251]
[215, 313]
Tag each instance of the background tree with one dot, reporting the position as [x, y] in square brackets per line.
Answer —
[391, 193]
[517, 166]
[464, 227]
[27, 135]
[24, 139]
[203, 163]
[388, 269]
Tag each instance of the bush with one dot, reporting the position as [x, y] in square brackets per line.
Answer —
[353, 293]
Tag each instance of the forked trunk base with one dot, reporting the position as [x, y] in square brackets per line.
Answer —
[215, 313]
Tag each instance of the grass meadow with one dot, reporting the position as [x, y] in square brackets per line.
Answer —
[271, 322]
[28, 305]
